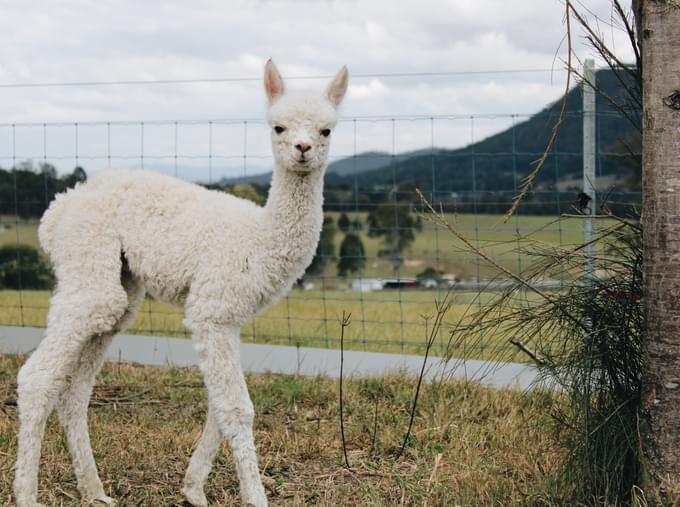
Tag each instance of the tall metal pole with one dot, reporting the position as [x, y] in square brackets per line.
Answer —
[589, 152]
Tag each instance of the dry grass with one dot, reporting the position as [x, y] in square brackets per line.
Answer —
[470, 446]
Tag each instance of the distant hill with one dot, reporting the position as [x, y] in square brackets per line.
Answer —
[366, 161]
[501, 161]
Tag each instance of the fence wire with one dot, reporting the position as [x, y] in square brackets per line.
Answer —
[470, 166]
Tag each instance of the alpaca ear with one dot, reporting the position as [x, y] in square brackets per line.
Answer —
[273, 82]
[338, 87]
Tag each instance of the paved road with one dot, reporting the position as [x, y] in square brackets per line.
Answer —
[256, 358]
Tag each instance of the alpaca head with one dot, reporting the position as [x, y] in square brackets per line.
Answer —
[302, 123]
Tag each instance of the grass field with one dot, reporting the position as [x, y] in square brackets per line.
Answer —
[24, 232]
[469, 446]
[391, 321]
[438, 248]
[381, 321]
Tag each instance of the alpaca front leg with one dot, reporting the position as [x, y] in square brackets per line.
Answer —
[218, 348]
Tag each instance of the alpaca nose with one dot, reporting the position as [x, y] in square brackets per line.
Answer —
[303, 147]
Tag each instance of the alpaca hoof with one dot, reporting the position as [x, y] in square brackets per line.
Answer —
[256, 501]
[30, 504]
[103, 500]
[195, 497]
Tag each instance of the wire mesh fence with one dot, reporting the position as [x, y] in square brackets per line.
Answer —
[379, 259]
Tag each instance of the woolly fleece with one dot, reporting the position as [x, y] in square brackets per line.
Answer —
[126, 233]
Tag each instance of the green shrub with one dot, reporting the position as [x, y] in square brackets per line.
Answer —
[22, 267]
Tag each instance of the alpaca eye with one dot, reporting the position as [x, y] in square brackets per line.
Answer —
[326, 132]
[279, 130]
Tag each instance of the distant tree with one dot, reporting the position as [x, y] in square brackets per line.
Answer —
[395, 223]
[48, 170]
[77, 176]
[27, 190]
[325, 250]
[352, 255]
[373, 225]
[406, 190]
[25, 165]
[344, 222]
[22, 267]
[429, 273]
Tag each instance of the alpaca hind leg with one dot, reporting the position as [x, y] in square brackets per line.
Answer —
[72, 409]
[202, 461]
[74, 402]
[218, 349]
[76, 316]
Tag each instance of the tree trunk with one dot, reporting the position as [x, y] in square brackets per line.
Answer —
[659, 23]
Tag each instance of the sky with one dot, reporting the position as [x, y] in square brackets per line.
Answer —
[193, 124]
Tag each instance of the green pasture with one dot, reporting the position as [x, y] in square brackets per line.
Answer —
[439, 248]
[22, 231]
[388, 321]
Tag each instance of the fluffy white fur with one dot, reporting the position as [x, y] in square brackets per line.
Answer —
[125, 233]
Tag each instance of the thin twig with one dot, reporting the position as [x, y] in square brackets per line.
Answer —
[441, 220]
[439, 217]
[442, 307]
[630, 31]
[343, 324]
[528, 180]
[528, 352]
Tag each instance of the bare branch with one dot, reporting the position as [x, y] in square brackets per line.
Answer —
[442, 307]
[533, 355]
[343, 324]
[441, 220]
[528, 180]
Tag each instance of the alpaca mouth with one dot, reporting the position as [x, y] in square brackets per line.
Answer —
[302, 166]
[302, 170]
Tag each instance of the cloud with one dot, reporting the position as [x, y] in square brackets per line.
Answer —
[109, 40]
[374, 88]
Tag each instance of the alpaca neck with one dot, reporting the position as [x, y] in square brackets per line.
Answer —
[294, 215]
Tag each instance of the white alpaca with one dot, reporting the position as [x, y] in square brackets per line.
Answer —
[223, 258]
